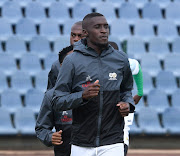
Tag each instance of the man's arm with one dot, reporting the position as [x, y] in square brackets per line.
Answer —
[139, 83]
[45, 123]
[125, 91]
[63, 98]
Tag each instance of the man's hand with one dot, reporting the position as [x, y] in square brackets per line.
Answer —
[91, 91]
[57, 138]
[124, 108]
[137, 98]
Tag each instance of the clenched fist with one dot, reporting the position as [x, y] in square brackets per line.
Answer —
[57, 138]
[123, 108]
[91, 91]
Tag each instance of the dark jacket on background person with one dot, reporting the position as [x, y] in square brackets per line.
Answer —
[47, 119]
[97, 121]
[52, 76]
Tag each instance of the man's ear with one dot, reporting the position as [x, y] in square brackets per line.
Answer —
[85, 33]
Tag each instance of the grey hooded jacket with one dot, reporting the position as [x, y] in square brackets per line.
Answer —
[47, 119]
[96, 122]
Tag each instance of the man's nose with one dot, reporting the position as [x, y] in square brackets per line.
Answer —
[77, 38]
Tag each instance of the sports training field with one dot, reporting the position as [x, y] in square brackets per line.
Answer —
[132, 152]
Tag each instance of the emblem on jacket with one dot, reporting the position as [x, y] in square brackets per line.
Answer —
[88, 78]
[112, 76]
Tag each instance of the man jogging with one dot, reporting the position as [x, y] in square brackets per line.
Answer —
[96, 82]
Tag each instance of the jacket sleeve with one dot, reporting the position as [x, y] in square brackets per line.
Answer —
[45, 123]
[127, 86]
[64, 98]
[51, 78]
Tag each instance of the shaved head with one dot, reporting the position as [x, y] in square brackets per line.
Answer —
[76, 32]
[85, 22]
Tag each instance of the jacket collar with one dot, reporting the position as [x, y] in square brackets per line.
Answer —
[81, 46]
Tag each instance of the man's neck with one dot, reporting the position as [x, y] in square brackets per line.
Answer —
[97, 48]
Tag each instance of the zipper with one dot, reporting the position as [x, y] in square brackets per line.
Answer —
[101, 103]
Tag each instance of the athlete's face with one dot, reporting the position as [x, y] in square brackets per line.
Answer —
[76, 33]
[98, 31]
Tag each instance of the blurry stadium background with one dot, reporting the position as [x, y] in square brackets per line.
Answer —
[32, 32]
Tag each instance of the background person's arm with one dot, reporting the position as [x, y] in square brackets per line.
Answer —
[45, 123]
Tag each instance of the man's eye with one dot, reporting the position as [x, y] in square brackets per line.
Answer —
[73, 35]
[106, 26]
[97, 26]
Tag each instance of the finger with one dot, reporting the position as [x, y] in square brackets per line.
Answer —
[93, 95]
[56, 138]
[96, 82]
[60, 132]
[58, 143]
[94, 89]
[94, 85]
[57, 135]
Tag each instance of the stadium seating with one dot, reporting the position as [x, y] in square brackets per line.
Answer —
[46, 3]
[120, 28]
[144, 29]
[33, 99]
[31, 64]
[172, 63]
[135, 47]
[170, 119]
[50, 29]
[173, 12]
[12, 11]
[157, 99]
[114, 38]
[147, 83]
[42, 80]
[26, 29]
[6, 127]
[60, 43]
[40, 46]
[138, 3]
[162, 3]
[166, 81]
[116, 3]
[7, 64]
[167, 29]
[159, 47]
[149, 121]
[176, 45]
[140, 105]
[5, 29]
[152, 12]
[24, 120]
[151, 64]
[80, 10]
[67, 26]
[21, 81]
[3, 82]
[129, 12]
[49, 60]
[59, 11]
[175, 98]
[93, 3]
[70, 3]
[2, 2]
[32, 32]
[107, 9]
[11, 100]
[134, 129]
[16, 46]
[23, 3]
[35, 11]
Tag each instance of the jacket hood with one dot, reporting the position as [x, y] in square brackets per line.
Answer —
[81, 46]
